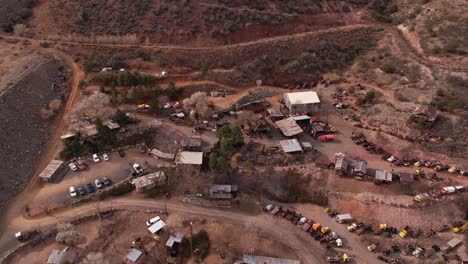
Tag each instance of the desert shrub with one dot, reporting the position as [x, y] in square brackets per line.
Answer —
[200, 244]
[440, 92]
[123, 79]
[389, 68]
[121, 189]
[346, 9]
[368, 98]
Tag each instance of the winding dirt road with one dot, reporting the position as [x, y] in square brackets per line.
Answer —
[305, 247]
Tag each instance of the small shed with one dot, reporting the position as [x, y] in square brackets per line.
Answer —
[90, 131]
[343, 218]
[407, 177]
[192, 143]
[161, 155]
[383, 176]
[134, 256]
[289, 127]
[53, 170]
[361, 168]
[223, 191]
[150, 181]
[291, 146]
[275, 114]
[157, 227]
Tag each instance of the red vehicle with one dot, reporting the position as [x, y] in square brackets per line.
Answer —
[325, 138]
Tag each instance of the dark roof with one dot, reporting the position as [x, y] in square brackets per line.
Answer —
[191, 142]
[406, 177]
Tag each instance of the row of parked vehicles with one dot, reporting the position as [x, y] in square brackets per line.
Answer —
[89, 188]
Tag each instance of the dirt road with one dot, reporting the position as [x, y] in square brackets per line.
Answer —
[306, 248]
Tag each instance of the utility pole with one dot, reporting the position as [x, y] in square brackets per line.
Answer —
[191, 245]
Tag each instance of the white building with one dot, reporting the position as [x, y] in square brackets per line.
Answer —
[302, 102]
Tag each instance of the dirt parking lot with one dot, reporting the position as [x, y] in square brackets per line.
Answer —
[116, 168]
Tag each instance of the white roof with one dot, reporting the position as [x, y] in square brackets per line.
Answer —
[51, 168]
[290, 145]
[449, 189]
[157, 226]
[303, 98]
[134, 254]
[177, 238]
[301, 117]
[344, 217]
[189, 157]
[383, 175]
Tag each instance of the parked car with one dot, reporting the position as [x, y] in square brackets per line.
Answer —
[153, 221]
[137, 168]
[81, 164]
[106, 181]
[142, 148]
[81, 190]
[98, 183]
[105, 156]
[167, 105]
[121, 153]
[89, 188]
[72, 191]
[96, 157]
[72, 166]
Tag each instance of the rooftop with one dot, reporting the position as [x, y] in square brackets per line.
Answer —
[383, 175]
[275, 112]
[189, 157]
[158, 178]
[289, 127]
[303, 98]
[51, 168]
[177, 238]
[90, 130]
[249, 259]
[290, 145]
[223, 188]
[134, 254]
[111, 124]
[301, 117]
[156, 227]
[191, 142]
[159, 154]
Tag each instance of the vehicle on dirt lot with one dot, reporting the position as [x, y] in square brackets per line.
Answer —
[23, 236]
[72, 166]
[342, 258]
[106, 181]
[96, 157]
[268, 208]
[105, 156]
[326, 138]
[98, 183]
[167, 105]
[89, 188]
[137, 168]
[81, 190]
[81, 164]
[153, 221]
[142, 148]
[72, 191]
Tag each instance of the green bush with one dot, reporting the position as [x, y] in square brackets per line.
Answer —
[389, 68]
[346, 9]
[440, 92]
[121, 189]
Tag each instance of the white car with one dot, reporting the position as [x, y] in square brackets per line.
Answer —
[167, 106]
[98, 183]
[72, 192]
[73, 167]
[164, 73]
[137, 168]
[153, 221]
[105, 156]
[96, 157]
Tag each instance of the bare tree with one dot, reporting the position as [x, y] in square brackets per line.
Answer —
[198, 102]
[67, 235]
[94, 258]
[89, 109]
[250, 119]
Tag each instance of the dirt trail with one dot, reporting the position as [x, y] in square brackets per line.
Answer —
[305, 247]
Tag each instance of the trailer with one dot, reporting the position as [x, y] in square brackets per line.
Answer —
[451, 245]
[343, 218]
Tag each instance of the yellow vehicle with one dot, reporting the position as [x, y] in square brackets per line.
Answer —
[143, 106]
[417, 172]
[383, 227]
[344, 258]
[403, 233]
[452, 170]
[324, 230]
[461, 229]
[326, 210]
[437, 168]
[316, 226]
[333, 129]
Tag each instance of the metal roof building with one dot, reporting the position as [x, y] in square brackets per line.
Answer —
[189, 157]
[162, 155]
[150, 181]
[177, 238]
[133, 255]
[289, 127]
[302, 101]
[52, 170]
[291, 145]
[156, 227]
[250, 259]
[383, 175]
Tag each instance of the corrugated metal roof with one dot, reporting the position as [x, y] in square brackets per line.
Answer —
[249, 259]
[51, 168]
[177, 238]
[383, 175]
[289, 127]
[191, 142]
[344, 217]
[290, 145]
[162, 155]
[157, 226]
[303, 98]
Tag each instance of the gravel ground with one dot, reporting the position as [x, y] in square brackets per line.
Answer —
[255, 96]
[23, 132]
